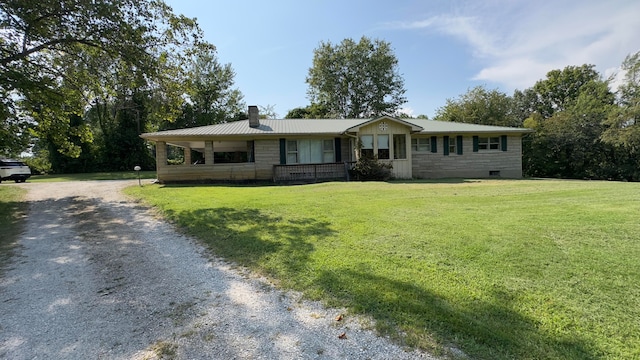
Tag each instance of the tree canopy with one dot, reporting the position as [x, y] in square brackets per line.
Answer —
[356, 79]
[58, 57]
[480, 106]
[624, 122]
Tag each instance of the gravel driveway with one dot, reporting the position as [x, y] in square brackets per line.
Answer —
[97, 276]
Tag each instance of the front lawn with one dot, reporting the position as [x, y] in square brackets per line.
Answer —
[526, 269]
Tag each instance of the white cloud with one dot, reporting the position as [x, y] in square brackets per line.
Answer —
[407, 110]
[519, 42]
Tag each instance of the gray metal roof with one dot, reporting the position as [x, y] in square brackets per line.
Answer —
[273, 127]
[441, 127]
[267, 127]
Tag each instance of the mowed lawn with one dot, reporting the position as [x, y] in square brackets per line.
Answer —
[527, 269]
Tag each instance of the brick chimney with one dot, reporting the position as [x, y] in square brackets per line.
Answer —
[254, 116]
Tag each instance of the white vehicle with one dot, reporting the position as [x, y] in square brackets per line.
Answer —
[14, 170]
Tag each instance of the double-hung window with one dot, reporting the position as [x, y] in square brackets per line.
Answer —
[453, 148]
[292, 152]
[383, 147]
[489, 143]
[420, 144]
[367, 146]
[328, 151]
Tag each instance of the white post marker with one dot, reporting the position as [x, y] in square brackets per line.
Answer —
[137, 169]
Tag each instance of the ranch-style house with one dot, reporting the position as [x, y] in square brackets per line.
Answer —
[322, 149]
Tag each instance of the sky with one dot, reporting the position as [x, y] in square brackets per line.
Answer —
[444, 47]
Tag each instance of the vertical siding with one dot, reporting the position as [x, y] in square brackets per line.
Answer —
[402, 169]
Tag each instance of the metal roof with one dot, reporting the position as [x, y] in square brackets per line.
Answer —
[273, 127]
[441, 127]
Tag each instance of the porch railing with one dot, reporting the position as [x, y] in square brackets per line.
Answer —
[312, 172]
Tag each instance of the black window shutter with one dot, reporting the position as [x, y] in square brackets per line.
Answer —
[503, 142]
[338, 149]
[475, 144]
[283, 151]
[445, 145]
[459, 144]
[434, 144]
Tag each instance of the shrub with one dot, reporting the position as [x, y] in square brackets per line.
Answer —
[370, 169]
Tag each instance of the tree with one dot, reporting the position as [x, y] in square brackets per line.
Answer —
[568, 142]
[211, 96]
[356, 80]
[313, 111]
[480, 106]
[624, 123]
[267, 112]
[39, 38]
[561, 88]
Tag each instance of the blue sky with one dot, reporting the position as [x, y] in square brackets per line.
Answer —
[443, 47]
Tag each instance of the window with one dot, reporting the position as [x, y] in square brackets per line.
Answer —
[383, 147]
[400, 146]
[310, 151]
[452, 146]
[489, 143]
[292, 152]
[367, 146]
[327, 151]
[420, 144]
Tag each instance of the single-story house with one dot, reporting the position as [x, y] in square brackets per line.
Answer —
[317, 149]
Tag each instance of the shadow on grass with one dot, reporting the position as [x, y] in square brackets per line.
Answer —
[490, 327]
[11, 225]
[483, 329]
[253, 238]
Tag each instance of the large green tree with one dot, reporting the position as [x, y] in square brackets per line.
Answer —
[212, 97]
[560, 89]
[41, 40]
[624, 123]
[313, 111]
[356, 79]
[569, 108]
[480, 106]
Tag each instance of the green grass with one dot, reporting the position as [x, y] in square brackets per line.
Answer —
[122, 175]
[530, 269]
[11, 210]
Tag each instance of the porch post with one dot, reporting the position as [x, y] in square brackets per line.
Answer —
[187, 156]
[161, 154]
[208, 152]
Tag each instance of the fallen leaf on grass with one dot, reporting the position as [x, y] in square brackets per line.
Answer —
[339, 317]
[342, 336]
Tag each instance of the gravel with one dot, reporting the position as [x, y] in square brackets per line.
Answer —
[97, 276]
